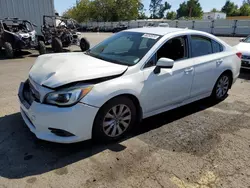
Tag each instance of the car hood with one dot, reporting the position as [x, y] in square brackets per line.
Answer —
[55, 70]
[244, 48]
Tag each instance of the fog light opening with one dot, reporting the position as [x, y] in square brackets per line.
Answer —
[62, 133]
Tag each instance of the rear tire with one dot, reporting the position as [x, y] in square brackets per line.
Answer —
[221, 87]
[8, 50]
[110, 125]
[57, 45]
[41, 47]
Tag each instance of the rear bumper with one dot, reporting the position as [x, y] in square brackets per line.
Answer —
[40, 118]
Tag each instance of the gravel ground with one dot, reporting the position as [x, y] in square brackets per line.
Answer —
[201, 145]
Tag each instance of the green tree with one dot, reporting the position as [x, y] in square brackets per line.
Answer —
[141, 11]
[163, 8]
[183, 10]
[104, 10]
[171, 15]
[191, 8]
[214, 10]
[154, 7]
[230, 8]
[245, 10]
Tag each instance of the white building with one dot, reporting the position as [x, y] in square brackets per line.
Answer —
[214, 15]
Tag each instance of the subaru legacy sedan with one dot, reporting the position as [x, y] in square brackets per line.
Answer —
[104, 92]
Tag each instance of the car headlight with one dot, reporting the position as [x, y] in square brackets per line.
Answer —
[67, 97]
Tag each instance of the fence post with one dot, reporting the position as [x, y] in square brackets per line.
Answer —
[212, 27]
[193, 24]
[235, 27]
[138, 24]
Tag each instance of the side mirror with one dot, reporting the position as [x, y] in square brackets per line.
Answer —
[242, 39]
[164, 63]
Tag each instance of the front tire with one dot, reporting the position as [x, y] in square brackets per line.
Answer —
[84, 44]
[41, 47]
[57, 45]
[114, 119]
[221, 87]
[8, 50]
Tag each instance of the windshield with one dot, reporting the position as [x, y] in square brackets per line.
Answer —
[247, 40]
[126, 48]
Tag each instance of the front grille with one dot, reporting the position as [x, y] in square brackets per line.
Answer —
[34, 92]
[30, 94]
[26, 40]
[245, 57]
[245, 63]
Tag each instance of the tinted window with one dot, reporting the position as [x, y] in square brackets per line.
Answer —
[201, 46]
[217, 47]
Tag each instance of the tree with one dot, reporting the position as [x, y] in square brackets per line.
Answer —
[191, 8]
[245, 10]
[214, 10]
[230, 8]
[246, 1]
[163, 9]
[183, 10]
[141, 11]
[171, 15]
[154, 7]
[104, 10]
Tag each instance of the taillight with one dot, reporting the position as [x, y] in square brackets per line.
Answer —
[239, 54]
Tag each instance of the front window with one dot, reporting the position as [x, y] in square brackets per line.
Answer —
[126, 48]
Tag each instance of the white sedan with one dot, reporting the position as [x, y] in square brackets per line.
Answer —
[244, 48]
[132, 75]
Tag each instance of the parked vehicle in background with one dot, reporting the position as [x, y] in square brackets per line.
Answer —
[132, 75]
[163, 25]
[17, 34]
[60, 32]
[150, 24]
[120, 27]
[244, 48]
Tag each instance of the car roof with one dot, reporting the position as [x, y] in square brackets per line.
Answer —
[157, 30]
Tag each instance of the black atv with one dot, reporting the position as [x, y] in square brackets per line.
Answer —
[17, 34]
[60, 32]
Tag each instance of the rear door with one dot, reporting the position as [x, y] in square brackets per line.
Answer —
[208, 59]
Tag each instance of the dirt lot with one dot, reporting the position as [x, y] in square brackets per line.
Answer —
[201, 145]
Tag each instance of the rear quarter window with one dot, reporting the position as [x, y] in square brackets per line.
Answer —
[217, 47]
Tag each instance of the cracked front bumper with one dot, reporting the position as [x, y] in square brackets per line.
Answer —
[40, 118]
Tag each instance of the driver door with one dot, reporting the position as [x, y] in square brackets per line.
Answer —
[171, 86]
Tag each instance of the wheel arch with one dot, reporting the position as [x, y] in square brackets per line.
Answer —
[134, 99]
[230, 73]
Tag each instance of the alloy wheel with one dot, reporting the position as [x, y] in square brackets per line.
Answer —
[222, 87]
[117, 120]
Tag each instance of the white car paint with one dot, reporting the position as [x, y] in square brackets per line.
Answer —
[244, 48]
[57, 70]
[189, 80]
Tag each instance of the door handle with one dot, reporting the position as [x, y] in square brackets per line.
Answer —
[218, 62]
[188, 70]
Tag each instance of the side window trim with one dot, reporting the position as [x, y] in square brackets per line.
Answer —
[154, 53]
